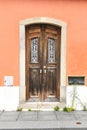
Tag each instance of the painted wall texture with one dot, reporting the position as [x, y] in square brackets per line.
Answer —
[73, 12]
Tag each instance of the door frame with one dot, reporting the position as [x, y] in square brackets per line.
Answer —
[43, 20]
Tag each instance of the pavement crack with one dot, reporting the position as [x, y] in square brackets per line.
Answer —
[18, 116]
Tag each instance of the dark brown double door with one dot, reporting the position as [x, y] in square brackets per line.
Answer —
[42, 61]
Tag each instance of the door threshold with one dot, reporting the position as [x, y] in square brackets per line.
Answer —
[48, 99]
[42, 102]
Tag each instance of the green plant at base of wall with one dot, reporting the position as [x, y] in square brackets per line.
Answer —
[84, 108]
[29, 109]
[19, 109]
[56, 108]
[68, 109]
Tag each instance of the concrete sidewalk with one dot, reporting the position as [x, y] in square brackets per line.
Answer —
[43, 120]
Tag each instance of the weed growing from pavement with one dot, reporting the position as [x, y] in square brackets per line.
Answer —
[19, 109]
[56, 108]
[29, 109]
[68, 109]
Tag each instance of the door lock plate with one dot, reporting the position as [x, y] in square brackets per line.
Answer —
[40, 71]
[45, 71]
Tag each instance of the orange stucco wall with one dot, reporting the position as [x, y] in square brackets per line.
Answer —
[73, 12]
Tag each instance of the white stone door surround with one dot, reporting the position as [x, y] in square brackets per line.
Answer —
[43, 20]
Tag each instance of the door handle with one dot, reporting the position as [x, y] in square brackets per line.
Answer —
[44, 67]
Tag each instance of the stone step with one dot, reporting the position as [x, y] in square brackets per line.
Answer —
[41, 105]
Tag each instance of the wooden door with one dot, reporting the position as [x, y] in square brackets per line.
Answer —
[42, 61]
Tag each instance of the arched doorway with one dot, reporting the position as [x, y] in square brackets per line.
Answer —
[45, 71]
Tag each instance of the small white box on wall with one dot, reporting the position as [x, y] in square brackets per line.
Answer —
[8, 80]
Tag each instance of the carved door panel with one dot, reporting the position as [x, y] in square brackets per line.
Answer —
[42, 61]
[33, 61]
[51, 65]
